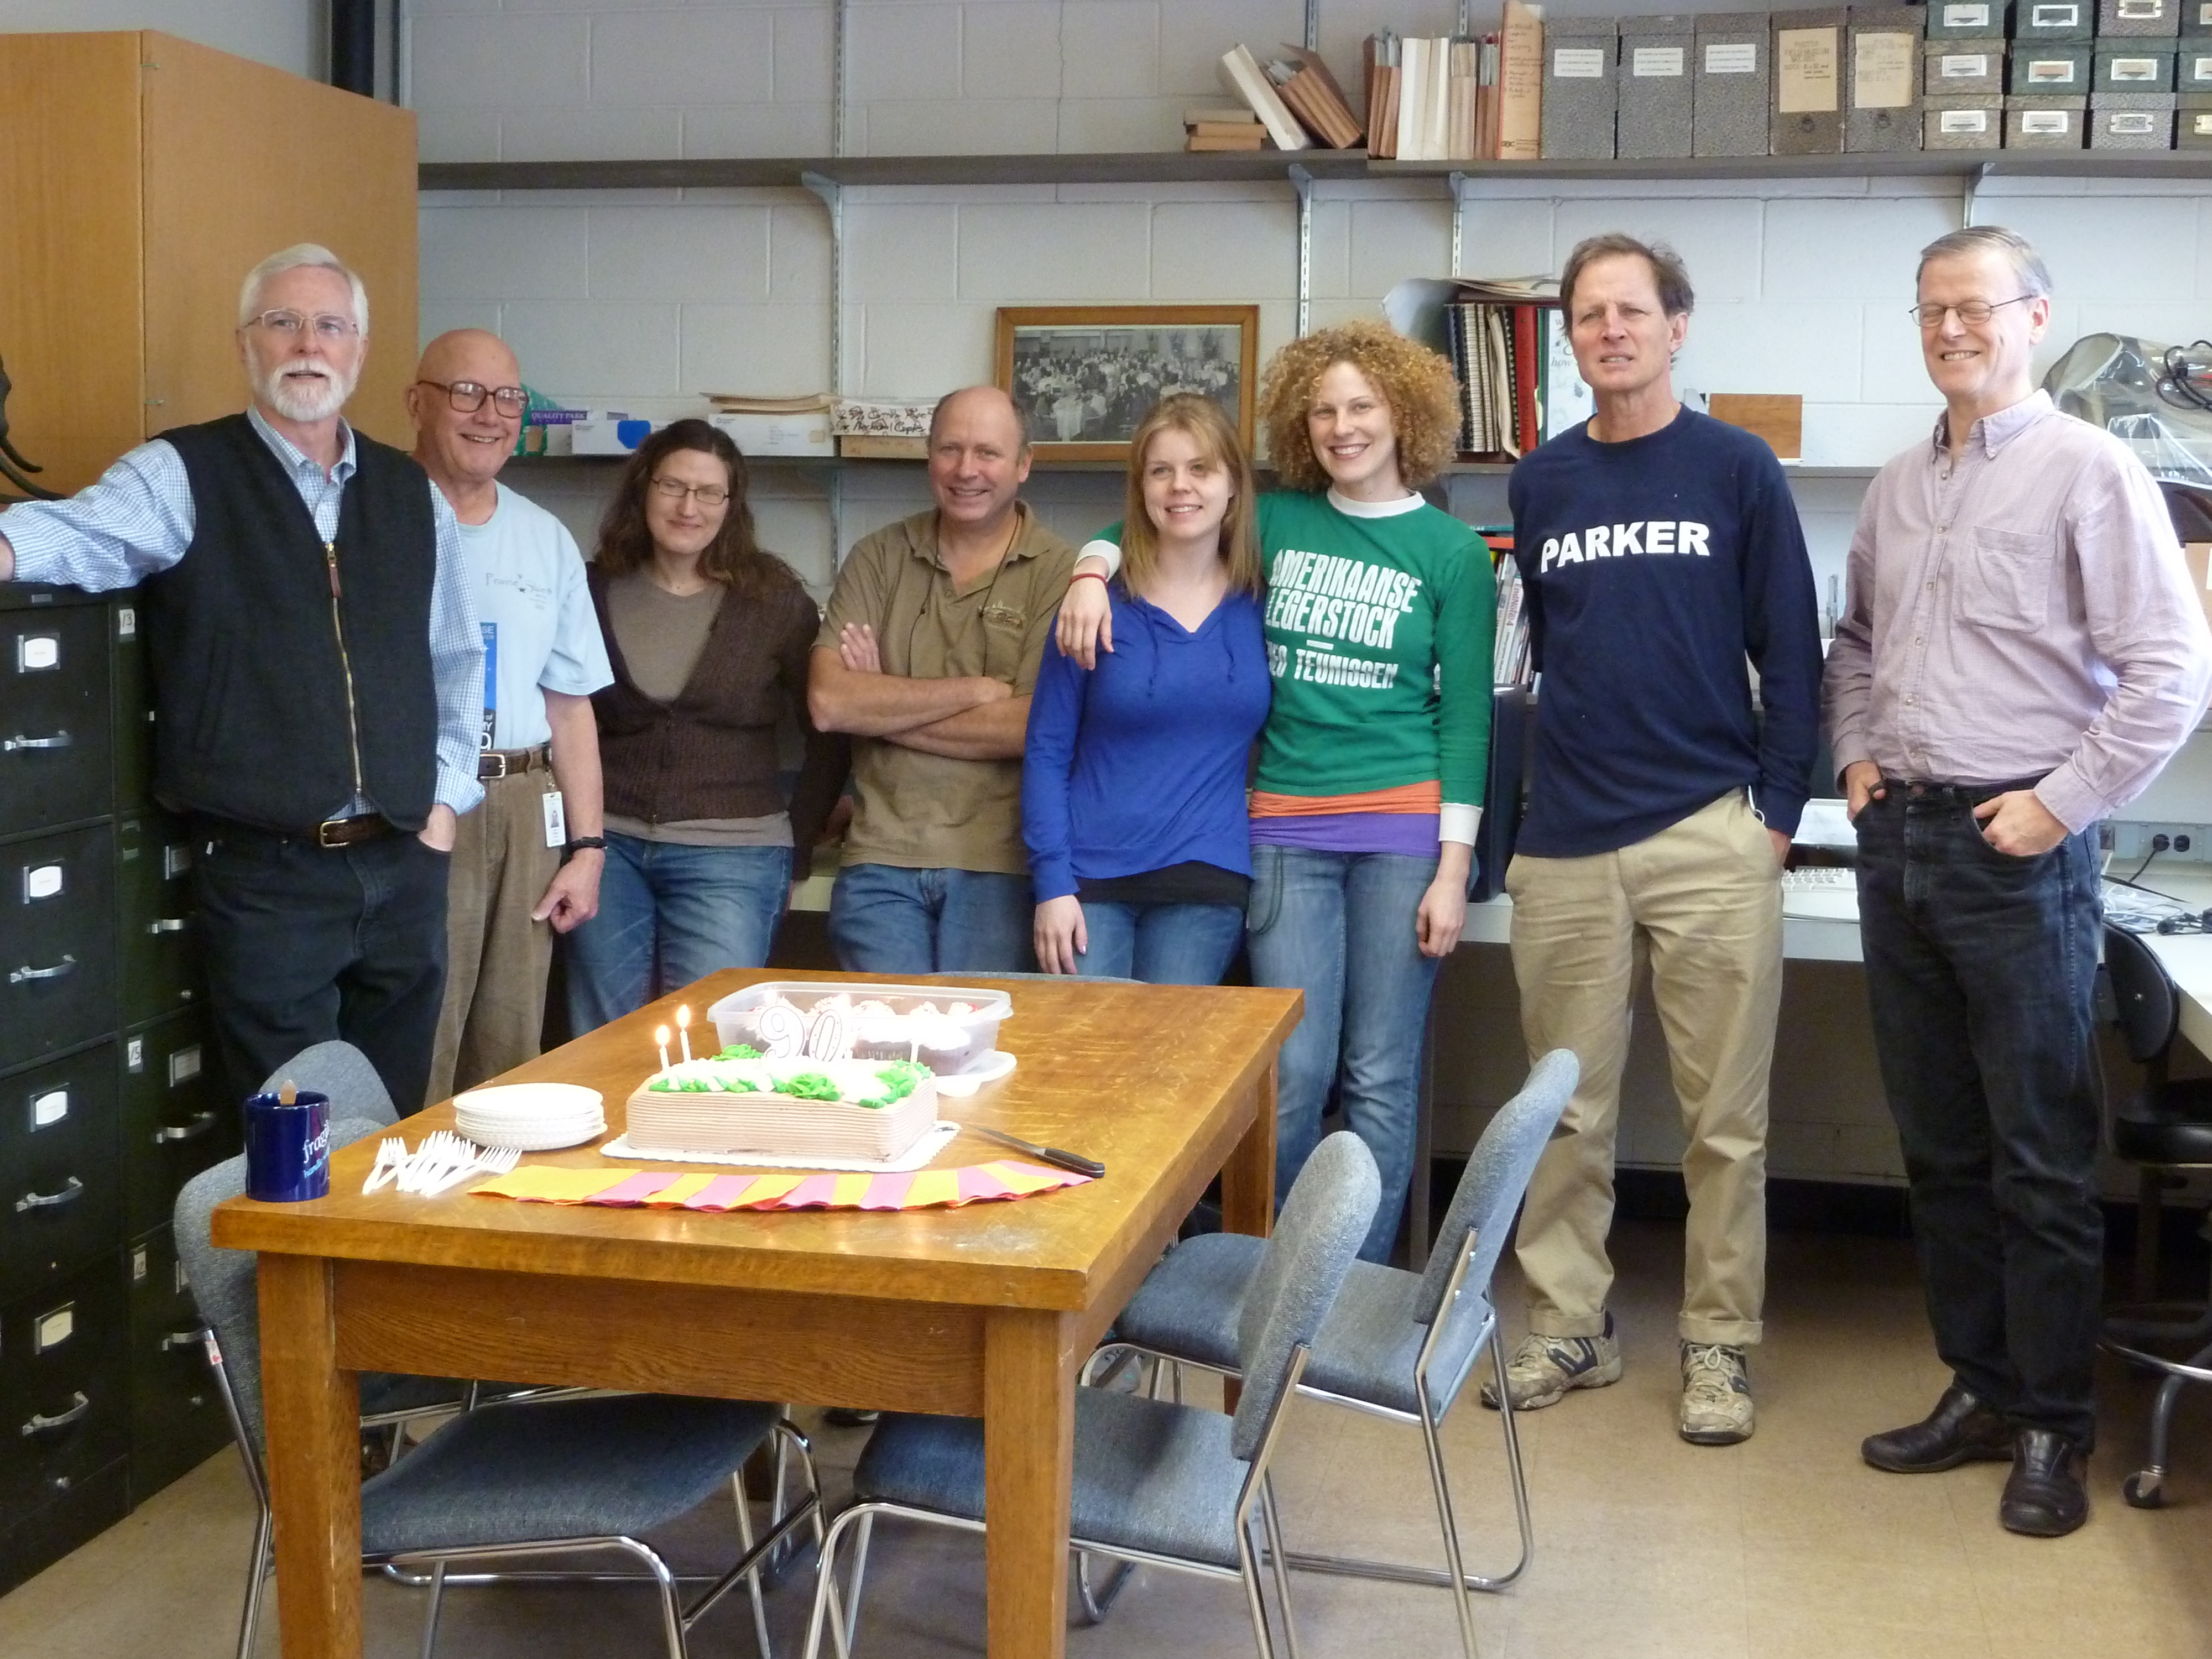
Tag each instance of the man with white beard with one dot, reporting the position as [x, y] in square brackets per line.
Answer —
[317, 679]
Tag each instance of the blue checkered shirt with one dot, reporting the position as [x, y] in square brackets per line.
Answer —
[137, 521]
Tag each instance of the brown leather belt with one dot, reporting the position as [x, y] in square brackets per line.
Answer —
[493, 763]
[345, 832]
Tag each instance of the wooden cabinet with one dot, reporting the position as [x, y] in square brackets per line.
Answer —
[141, 178]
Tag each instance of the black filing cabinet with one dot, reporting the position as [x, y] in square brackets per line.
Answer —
[106, 1101]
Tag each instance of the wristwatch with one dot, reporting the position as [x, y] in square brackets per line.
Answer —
[573, 848]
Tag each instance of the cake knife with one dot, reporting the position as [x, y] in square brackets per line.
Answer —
[1054, 1155]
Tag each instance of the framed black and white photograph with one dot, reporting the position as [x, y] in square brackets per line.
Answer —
[1084, 376]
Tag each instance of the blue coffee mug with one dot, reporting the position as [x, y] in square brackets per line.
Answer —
[287, 1148]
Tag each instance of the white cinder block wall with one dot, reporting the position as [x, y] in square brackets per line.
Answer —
[645, 301]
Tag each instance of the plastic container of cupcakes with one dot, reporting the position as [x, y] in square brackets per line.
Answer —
[947, 1028]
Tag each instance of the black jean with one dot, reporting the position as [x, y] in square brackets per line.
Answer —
[1980, 967]
[304, 943]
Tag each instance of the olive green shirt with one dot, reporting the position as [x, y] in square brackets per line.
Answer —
[928, 811]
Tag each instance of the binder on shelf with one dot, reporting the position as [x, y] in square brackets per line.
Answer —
[1657, 56]
[1884, 76]
[1730, 88]
[1809, 111]
[1500, 338]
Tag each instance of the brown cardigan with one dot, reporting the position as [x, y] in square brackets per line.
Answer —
[712, 752]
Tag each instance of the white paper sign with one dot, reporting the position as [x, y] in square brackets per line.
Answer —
[1656, 61]
[1738, 60]
[1577, 63]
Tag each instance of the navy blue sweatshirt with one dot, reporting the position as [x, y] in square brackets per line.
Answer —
[1139, 764]
[1653, 568]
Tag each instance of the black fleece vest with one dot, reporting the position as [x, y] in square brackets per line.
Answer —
[255, 640]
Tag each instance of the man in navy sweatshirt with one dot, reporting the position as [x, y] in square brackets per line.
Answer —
[1661, 550]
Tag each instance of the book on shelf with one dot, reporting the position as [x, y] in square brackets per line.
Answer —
[1211, 114]
[1382, 55]
[1520, 82]
[1228, 144]
[1241, 73]
[1502, 337]
[1510, 663]
[745, 403]
[1312, 92]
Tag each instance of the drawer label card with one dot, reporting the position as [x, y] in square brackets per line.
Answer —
[1577, 63]
[176, 859]
[2129, 123]
[2142, 11]
[2050, 123]
[49, 1108]
[185, 1064]
[138, 1264]
[1966, 17]
[2202, 124]
[1964, 66]
[1881, 66]
[134, 1054]
[127, 621]
[54, 1328]
[2200, 68]
[1648, 61]
[1742, 58]
[41, 881]
[2051, 71]
[35, 654]
[2064, 16]
[2132, 68]
[1963, 120]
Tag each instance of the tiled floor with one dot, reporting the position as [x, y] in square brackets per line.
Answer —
[1785, 1547]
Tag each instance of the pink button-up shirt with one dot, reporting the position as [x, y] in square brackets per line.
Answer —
[2018, 607]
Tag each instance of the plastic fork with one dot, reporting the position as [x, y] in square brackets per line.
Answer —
[496, 1161]
[390, 1161]
[440, 1155]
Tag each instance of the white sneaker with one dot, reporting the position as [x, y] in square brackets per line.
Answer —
[1716, 1395]
[1544, 1369]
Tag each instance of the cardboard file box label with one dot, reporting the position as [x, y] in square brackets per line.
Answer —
[1737, 59]
[2046, 123]
[1953, 121]
[1882, 71]
[2057, 15]
[2196, 71]
[1963, 66]
[2131, 123]
[1964, 17]
[2127, 70]
[2050, 75]
[1577, 63]
[1646, 62]
[2200, 17]
[1805, 68]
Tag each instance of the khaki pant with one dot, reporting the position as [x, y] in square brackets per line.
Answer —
[1700, 901]
[496, 958]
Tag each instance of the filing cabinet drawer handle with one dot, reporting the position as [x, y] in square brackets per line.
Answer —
[191, 1339]
[66, 965]
[59, 740]
[69, 1194]
[166, 925]
[39, 1425]
[192, 1131]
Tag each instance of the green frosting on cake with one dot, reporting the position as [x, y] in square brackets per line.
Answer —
[895, 1080]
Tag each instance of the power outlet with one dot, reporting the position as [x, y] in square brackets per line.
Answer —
[2133, 842]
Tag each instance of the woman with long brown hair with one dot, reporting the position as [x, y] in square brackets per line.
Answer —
[709, 637]
[1133, 774]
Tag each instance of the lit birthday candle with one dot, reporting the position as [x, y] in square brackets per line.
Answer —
[683, 1028]
[660, 1038]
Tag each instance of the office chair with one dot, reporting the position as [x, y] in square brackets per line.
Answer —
[510, 1481]
[2169, 1125]
[1171, 1485]
[1399, 1345]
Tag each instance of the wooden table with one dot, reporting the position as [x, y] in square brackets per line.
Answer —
[985, 1312]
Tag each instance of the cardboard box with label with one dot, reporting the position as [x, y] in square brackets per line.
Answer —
[2039, 69]
[1967, 20]
[1974, 122]
[1809, 82]
[2131, 120]
[1883, 103]
[1656, 54]
[2132, 66]
[2035, 122]
[1730, 94]
[2145, 18]
[2193, 127]
[1581, 94]
[1957, 69]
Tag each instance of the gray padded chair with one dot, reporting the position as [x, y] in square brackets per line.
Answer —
[509, 1480]
[1397, 1345]
[1154, 1481]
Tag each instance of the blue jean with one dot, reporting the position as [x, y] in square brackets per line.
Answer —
[1979, 969]
[886, 919]
[1160, 944]
[670, 914]
[1340, 928]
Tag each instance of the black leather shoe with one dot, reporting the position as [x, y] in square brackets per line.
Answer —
[2045, 1495]
[1960, 1429]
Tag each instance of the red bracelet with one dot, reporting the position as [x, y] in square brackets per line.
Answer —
[1084, 575]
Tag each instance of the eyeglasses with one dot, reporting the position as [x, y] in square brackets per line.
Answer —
[289, 325]
[1973, 312]
[674, 489]
[467, 397]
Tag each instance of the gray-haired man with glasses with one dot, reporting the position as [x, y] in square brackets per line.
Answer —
[527, 866]
[317, 680]
[2021, 653]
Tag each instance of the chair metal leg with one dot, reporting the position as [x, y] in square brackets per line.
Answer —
[672, 1611]
[1273, 1521]
[1247, 1559]
[256, 1578]
[827, 1613]
[852, 1628]
[1097, 1603]
[437, 1605]
[753, 1578]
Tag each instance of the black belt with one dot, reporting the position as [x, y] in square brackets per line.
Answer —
[496, 763]
[1959, 794]
[330, 833]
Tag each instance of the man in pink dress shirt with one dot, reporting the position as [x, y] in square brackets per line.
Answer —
[2022, 652]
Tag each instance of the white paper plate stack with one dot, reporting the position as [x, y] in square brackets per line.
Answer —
[531, 1117]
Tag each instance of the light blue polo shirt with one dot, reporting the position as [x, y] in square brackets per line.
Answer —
[540, 632]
